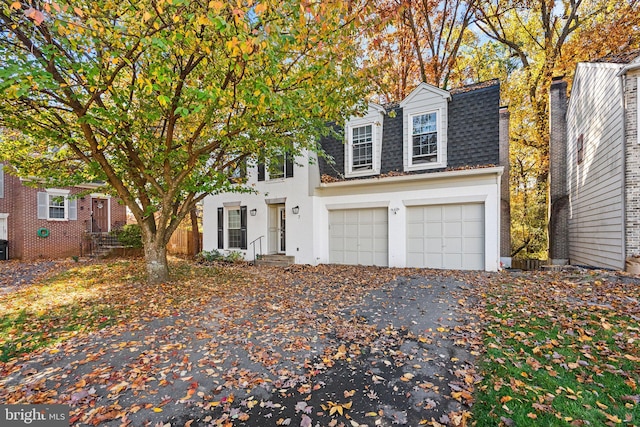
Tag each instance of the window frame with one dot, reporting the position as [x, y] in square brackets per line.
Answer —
[1, 180]
[439, 161]
[53, 193]
[375, 117]
[352, 170]
[237, 229]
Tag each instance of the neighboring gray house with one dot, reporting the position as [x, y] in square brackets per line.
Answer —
[596, 214]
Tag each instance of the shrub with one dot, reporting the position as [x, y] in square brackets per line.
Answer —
[130, 235]
[215, 255]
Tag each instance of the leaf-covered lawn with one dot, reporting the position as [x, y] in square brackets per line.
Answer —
[561, 349]
[88, 297]
[329, 345]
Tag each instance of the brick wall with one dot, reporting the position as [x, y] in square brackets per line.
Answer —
[559, 216]
[65, 237]
[632, 166]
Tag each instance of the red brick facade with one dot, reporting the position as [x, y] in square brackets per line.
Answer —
[63, 236]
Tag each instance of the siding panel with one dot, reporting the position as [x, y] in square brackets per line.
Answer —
[595, 185]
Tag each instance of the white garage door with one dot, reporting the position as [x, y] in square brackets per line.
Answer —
[358, 237]
[446, 236]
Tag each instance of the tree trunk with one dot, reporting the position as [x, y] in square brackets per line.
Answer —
[195, 231]
[155, 255]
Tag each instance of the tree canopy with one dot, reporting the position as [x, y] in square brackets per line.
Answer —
[164, 99]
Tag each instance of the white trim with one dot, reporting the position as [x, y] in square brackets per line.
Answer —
[441, 136]
[638, 110]
[375, 119]
[454, 200]
[424, 86]
[4, 234]
[365, 205]
[58, 192]
[497, 170]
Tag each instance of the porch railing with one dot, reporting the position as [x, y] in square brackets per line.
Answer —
[253, 245]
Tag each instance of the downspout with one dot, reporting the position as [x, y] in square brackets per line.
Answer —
[623, 106]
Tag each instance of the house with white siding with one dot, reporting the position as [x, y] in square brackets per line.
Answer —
[602, 161]
[413, 184]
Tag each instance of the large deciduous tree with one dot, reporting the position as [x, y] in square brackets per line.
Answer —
[418, 41]
[163, 99]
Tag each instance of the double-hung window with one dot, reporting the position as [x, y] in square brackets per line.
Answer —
[56, 205]
[424, 138]
[233, 220]
[362, 148]
[234, 229]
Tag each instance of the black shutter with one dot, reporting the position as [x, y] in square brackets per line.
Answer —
[288, 165]
[261, 171]
[243, 227]
[220, 228]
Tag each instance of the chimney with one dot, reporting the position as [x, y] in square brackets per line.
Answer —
[559, 198]
[505, 199]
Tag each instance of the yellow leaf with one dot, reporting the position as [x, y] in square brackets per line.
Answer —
[157, 409]
[505, 399]
[347, 405]
[78, 11]
[371, 414]
[601, 405]
[16, 5]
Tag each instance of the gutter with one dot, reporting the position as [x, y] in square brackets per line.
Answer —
[627, 68]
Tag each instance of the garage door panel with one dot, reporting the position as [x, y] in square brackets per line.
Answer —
[453, 245]
[415, 245]
[474, 245]
[452, 229]
[364, 239]
[452, 261]
[473, 228]
[452, 212]
[452, 236]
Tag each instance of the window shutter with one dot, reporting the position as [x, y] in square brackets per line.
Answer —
[1, 181]
[288, 165]
[243, 227]
[220, 228]
[43, 205]
[73, 209]
[261, 171]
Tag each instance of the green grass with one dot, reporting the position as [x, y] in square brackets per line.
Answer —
[552, 359]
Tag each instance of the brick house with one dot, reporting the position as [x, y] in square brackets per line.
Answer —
[50, 222]
[595, 181]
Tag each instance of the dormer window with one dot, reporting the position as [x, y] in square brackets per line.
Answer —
[424, 136]
[362, 148]
[425, 128]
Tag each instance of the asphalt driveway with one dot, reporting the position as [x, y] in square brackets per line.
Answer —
[302, 346]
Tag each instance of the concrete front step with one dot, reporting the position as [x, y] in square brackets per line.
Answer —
[276, 260]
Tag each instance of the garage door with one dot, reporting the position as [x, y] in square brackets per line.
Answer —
[358, 237]
[446, 236]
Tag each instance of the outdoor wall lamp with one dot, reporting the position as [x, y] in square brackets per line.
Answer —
[295, 210]
[253, 212]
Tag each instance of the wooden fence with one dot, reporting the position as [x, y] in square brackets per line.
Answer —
[528, 264]
[181, 242]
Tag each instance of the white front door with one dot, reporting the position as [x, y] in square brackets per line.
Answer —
[277, 229]
[282, 221]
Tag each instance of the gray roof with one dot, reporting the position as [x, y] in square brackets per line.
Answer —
[472, 134]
